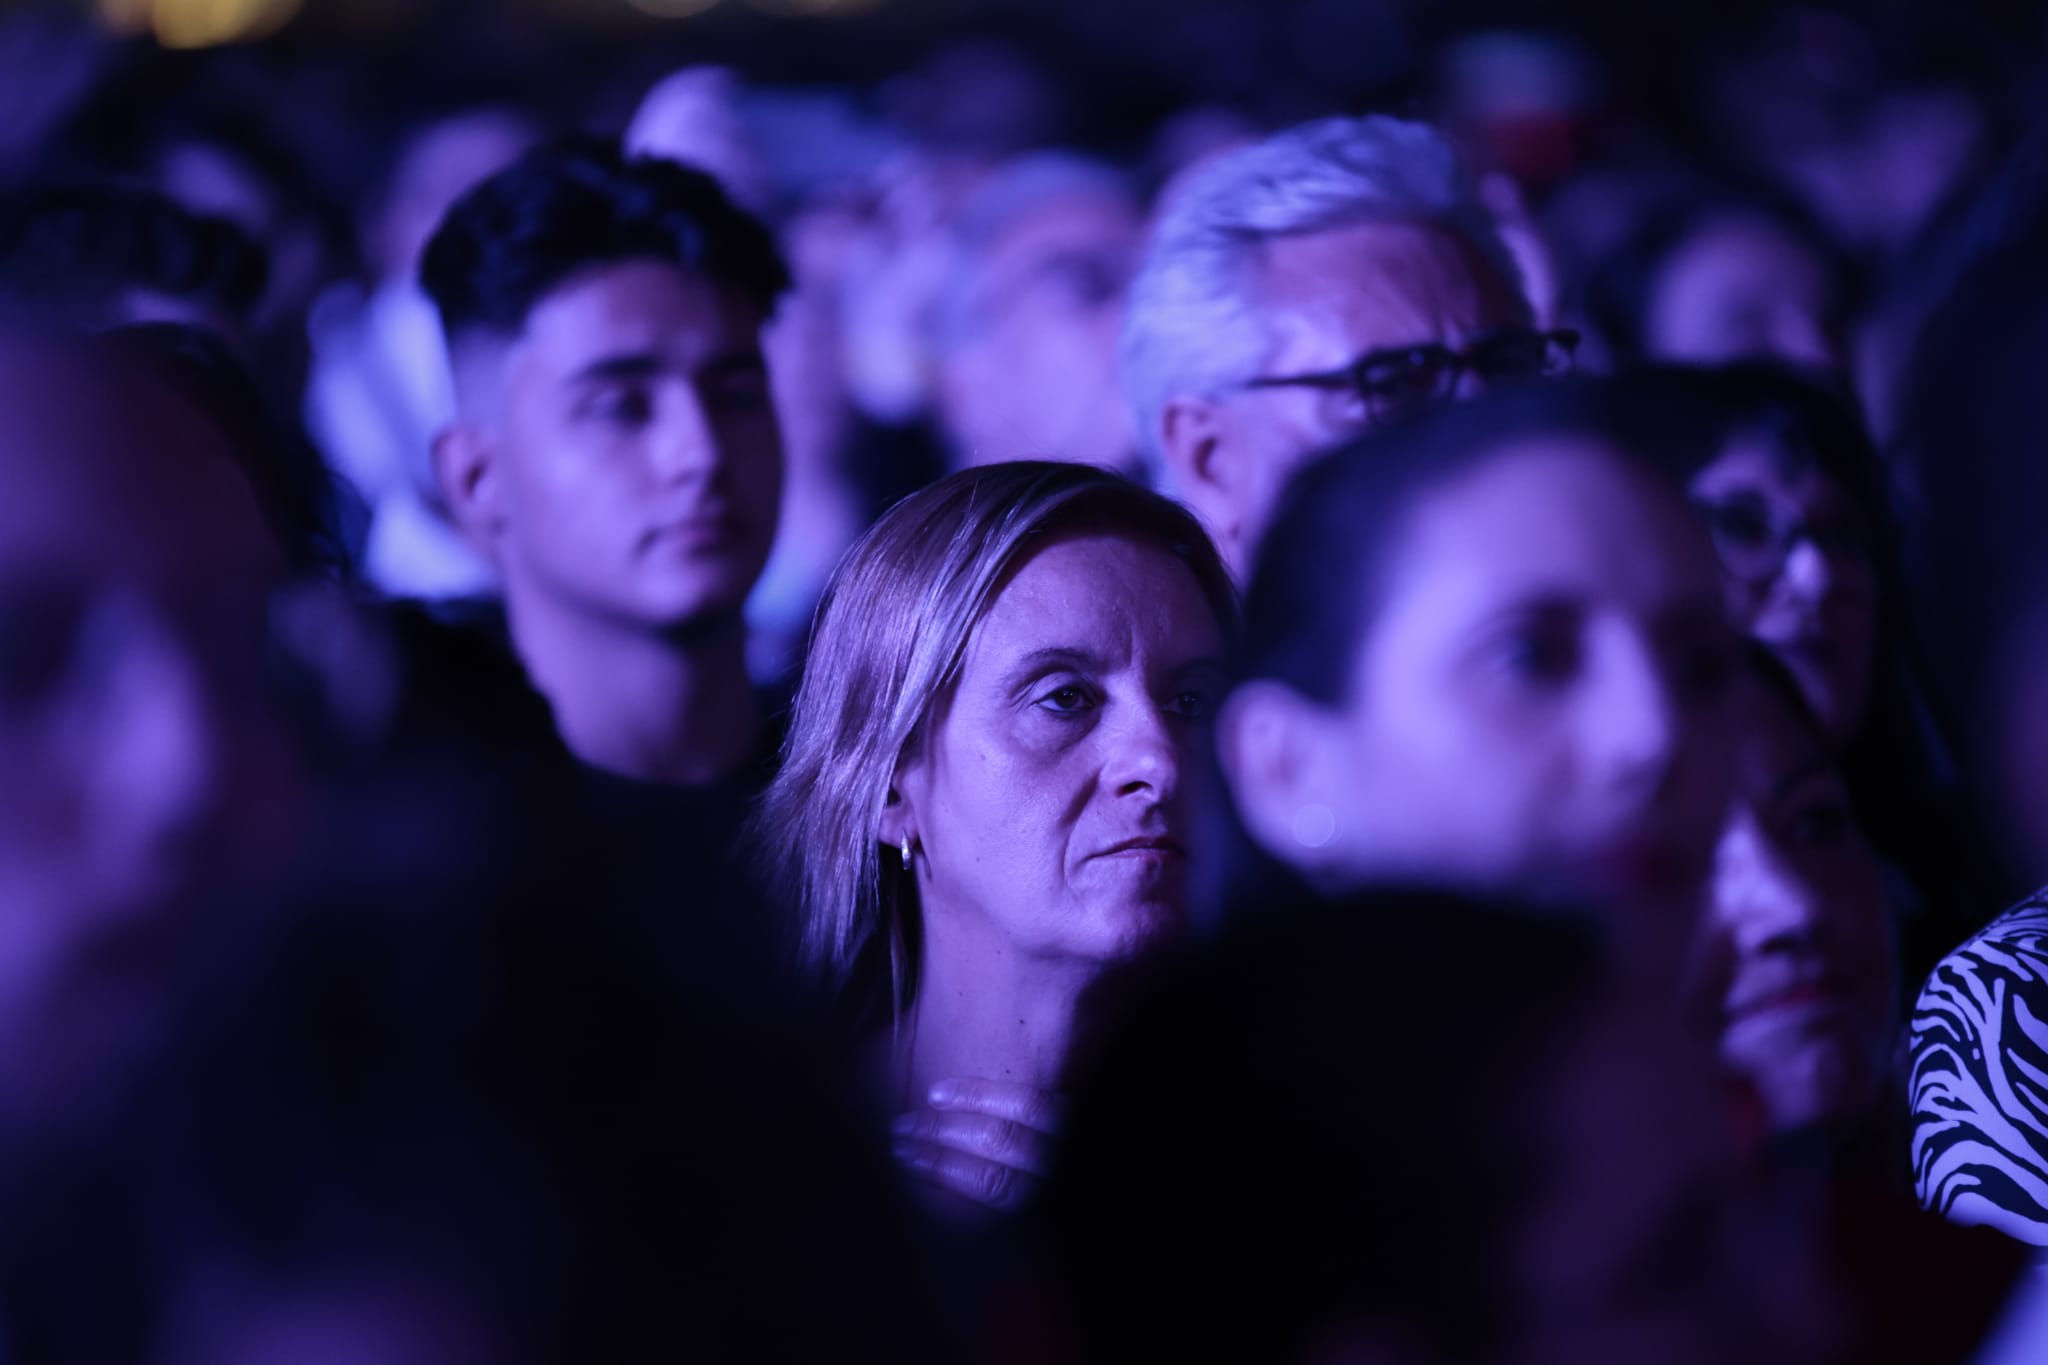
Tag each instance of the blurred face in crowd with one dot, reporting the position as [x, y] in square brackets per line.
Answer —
[620, 458]
[1799, 911]
[141, 761]
[1047, 804]
[1741, 288]
[1324, 301]
[1033, 374]
[1540, 701]
[1795, 551]
[1650, 1240]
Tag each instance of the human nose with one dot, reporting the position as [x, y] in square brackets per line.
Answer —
[1632, 717]
[1760, 897]
[684, 442]
[1144, 754]
[159, 741]
[1808, 574]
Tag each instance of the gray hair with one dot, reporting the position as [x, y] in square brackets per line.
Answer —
[1189, 326]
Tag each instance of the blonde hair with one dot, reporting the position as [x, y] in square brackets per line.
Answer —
[891, 630]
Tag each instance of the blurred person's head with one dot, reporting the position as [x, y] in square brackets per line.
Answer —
[1798, 914]
[294, 490]
[143, 761]
[1489, 648]
[1026, 316]
[1299, 290]
[1541, 1168]
[995, 735]
[694, 116]
[1724, 274]
[1794, 501]
[104, 255]
[616, 452]
[443, 1100]
[435, 165]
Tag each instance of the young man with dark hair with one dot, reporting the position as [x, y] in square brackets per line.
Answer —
[615, 451]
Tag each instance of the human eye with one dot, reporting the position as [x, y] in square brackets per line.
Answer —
[1740, 524]
[1065, 699]
[1192, 703]
[624, 404]
[1541, 653]
[1821, 821]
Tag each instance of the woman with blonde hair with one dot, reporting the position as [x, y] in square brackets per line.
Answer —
[984, 801]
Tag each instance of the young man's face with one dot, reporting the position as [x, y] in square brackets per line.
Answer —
[635, 462]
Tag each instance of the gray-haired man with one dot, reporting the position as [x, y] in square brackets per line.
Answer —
[1300, 289]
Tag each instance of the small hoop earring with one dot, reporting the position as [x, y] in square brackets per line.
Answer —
[906, 853]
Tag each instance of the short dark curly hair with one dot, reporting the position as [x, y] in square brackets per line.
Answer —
[580, 201]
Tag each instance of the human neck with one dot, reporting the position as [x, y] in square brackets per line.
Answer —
[986, 1011]
[672, 707]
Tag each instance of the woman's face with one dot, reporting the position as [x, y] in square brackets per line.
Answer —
[1799, 913]
[1047, 807]
[1795, 552]
[1541, 700]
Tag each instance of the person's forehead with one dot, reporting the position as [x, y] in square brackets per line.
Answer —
[1099, 581]
[634, 306]
[1564, 513]
[1364, 286]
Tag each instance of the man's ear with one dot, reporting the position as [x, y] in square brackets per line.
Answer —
[466, 471]
[1193, 435]
[1283, 758]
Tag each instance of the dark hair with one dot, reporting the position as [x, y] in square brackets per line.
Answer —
[1266, 1147]
[1900, 760]
[293, 488]
[76, 249]
[1316, 578]
[1619, 292]
[581, 201]
[1319, 570]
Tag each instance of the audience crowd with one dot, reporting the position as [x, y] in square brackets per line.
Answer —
[749, 725]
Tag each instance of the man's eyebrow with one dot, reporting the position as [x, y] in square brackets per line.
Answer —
[623, 365]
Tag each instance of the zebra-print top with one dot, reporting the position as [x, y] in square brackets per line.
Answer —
[1979, 1078]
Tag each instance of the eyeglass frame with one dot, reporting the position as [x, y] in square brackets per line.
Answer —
[1456, 362]
[1841, 540]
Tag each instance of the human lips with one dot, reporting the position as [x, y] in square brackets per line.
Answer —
[1159, 847]
[710, 531]
[1810, 991]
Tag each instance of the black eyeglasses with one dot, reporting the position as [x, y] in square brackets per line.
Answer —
[1754, 538]
[1392, 383]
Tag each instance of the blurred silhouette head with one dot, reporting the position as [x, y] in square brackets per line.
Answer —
[103, 255]
[616, 452]
[144, 762]
[1724, 274]
[1026, 317]
[1538, 1168]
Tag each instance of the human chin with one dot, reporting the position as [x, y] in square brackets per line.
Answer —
[1810, 1066]
[1134, 902]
